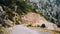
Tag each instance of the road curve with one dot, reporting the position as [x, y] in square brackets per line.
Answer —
[21, 29]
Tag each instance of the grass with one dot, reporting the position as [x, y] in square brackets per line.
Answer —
[3, 30]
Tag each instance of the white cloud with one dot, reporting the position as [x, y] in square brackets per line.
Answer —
[51, 0]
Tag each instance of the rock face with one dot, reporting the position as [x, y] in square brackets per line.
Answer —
[9, 18]
[36, 19]
[32, 17]
[3, 18]
[50, 9]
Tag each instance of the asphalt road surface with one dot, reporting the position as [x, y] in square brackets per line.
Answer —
[21, 29]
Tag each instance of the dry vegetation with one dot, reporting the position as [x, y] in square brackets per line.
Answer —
[45, 30]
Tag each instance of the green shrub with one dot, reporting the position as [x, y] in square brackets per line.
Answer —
[43, 26]
[29, 25]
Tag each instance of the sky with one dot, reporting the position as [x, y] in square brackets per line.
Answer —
[34, 0]
[39, 0]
